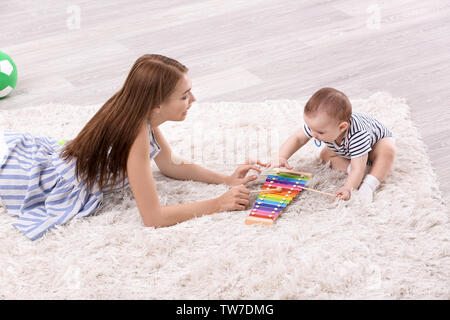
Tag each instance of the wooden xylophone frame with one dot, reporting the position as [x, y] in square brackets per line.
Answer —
[290, 182]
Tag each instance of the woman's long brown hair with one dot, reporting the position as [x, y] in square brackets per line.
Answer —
[102, 147]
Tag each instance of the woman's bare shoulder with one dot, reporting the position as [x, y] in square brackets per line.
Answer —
[141, 145]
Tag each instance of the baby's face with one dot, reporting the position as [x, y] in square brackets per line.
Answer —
[323, 127]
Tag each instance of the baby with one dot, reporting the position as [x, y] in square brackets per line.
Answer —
[356, 143]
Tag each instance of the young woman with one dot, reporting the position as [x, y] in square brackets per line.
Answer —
[45, 184]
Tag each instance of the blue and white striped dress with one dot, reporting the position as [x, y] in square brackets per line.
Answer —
[40, 188]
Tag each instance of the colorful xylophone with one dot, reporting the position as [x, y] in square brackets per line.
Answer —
[269, 204]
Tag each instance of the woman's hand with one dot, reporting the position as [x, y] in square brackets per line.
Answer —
[237, 198]
[343, 193]
[240, 174]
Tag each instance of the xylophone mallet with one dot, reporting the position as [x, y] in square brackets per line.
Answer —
[314, 190]
[278, 189]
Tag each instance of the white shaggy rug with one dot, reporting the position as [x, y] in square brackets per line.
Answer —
[395, 248]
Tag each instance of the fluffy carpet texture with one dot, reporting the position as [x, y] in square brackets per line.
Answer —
[394, 248]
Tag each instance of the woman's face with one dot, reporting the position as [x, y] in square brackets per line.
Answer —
[176, 106]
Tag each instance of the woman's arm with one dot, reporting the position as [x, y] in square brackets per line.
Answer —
[144, 190]
[180, 169]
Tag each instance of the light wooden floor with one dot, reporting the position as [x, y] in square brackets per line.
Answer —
[80, 51]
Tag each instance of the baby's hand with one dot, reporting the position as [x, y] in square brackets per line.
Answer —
[343, 193]
[279, 163]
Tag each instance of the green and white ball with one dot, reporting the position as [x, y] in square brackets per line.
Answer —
[8, 74]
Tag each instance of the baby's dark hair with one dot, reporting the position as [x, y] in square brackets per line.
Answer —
[332, 101]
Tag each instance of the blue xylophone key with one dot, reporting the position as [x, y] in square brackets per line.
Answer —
[267, 207]
[285, 179]
[281, 204]
[288, 183]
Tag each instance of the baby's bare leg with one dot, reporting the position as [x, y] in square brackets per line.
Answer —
[337, 162]
[382, 157]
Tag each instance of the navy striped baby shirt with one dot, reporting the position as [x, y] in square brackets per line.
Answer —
[364, 131]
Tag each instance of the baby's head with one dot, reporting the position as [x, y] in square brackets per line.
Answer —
[327, 113]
